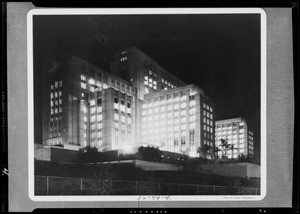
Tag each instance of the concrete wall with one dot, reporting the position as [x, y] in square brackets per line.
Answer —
[42, 153]
[55, 154]
[146, 165]
[231, 169]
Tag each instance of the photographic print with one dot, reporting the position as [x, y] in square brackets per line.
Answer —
[147, 104]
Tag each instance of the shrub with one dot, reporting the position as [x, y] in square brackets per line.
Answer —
[150, 153]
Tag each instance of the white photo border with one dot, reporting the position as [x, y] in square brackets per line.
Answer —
[150, 11]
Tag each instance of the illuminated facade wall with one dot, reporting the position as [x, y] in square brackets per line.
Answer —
[237, 133]
[145, 75]
[80, 110]
[145, 104]
[178, 120]
[143, 72]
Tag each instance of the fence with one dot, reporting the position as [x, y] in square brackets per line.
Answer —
[50, 185]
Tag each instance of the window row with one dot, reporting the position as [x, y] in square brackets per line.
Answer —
[207, 107]
[55, 94]
[57, 84]
[218, 142]
[56, 110]
[152, 83]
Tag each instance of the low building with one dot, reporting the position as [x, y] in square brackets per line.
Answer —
[238, 134]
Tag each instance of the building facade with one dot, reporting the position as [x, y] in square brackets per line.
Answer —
[238, 134]
[87, 106]
[136, 100]
[178, 120]
[145, 75]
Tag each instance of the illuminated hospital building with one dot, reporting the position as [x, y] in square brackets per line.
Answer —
[138, 102]
[237, 134]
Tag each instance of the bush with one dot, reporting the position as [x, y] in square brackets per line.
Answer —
[150, 153]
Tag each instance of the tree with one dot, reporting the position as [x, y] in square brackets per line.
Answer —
[89, 154]
[150, 153]
[204, 151]
[224, 147]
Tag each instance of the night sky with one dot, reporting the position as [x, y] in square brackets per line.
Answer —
[219, 53]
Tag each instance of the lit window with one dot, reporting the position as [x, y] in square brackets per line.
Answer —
[192, 110]
[60, 110]
[56, 84]
[183, 105]
[56, 110]
[92, 88]
[183, 98]
[123, 58]
[241, 131]
[83, 85]
[60, 83]
[83, 77]
[92, 103]
[192, 118]
[146, 90]
[241, 150]
[123, 119]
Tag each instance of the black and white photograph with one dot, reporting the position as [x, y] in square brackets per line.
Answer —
[147, 104]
